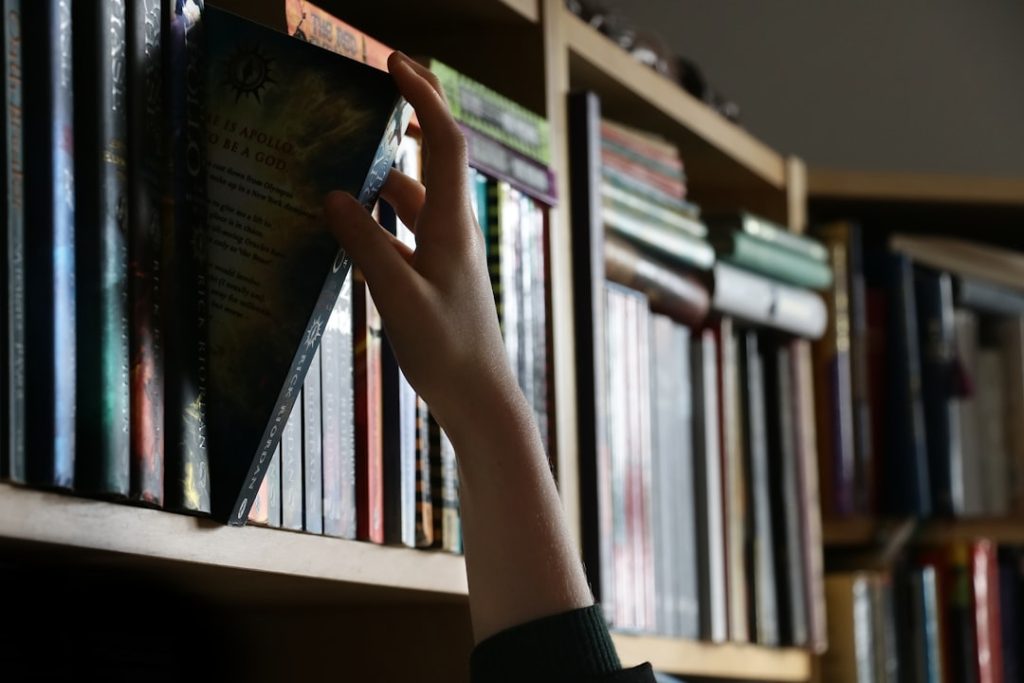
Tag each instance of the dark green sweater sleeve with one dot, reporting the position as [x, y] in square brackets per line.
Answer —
[574, 646]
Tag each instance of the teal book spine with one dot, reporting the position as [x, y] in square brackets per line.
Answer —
[670, 243]
[745, 251]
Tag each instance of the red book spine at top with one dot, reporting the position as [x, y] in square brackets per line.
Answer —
[985, 579]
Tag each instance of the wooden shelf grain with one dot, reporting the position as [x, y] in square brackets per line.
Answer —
[867, 531]
[716, 151]
[826, 183]
[709, 660]
[152, 537]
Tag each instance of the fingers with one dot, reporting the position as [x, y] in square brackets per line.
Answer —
[382, 258]
[405, 195]
[441, 135]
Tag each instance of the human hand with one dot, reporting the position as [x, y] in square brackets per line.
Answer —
[435, 302]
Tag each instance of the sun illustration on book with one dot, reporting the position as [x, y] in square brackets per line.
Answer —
[249, 72]
[315, 329]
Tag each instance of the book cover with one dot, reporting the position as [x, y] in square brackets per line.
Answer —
[707, 490]
[934, 294]
[368, 397]
[101, 250]
[279, 111]
[763, 301]
[183, 265]
[13, 417]
[506, 164]
[291, 466]
[312, 445]
[768, 232]
[769, 258]
[146, 179]
[337, 419]
[672, 292]
[424, 497]
[50, 344]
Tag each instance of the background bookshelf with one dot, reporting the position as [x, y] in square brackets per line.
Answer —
[535, 52]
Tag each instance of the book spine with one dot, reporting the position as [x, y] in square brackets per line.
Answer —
[985, 582]
[445, 483]
[670, 168]
[540, 328]
[863, 441]
[51, 348]
[681, 296]
[627, 183]
[503, 163]
[834, 391]
[982, 296]
[308, 22]
[666, 242]
[102, 408]
[763, 542]
[368, 420]
[762, 256]
[641, 209]
[146, 152]
[272, 479]
[312, 445]
[424, 497]
[763, 301]
[767, 231]
[642, 145]
[187, 463]
[291, 468]
[497, 116]
[613, 159]
[1010, 588]
[934, 294]
[337, 413]
[1011, 341]
[908, 480]
[14, 204]
[710, 523]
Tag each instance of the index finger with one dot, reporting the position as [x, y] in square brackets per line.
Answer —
[444, 142]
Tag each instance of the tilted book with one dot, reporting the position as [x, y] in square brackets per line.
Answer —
[287, 122]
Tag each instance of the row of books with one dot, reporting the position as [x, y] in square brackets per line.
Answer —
[700, 479]
[951, 613]
[921, 379]
[164, 364]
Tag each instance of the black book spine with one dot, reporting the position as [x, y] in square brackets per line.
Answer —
[50, 245]
[312, 449]
[146, 164]
[13, 449]
[101, 248]
[588, 293]
[187, 464]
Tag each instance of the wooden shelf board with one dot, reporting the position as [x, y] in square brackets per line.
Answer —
[866, 531]
[155, 536]
[710, 660]
[824, 183]
[716, 151]
[437, 13]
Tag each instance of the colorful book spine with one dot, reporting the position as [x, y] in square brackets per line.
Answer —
[642, 145]
[679, 295]
[312, 447]
[669, 243]
[766, 231]
[184, 290]
[338, 412]
[369, 451]
[641, 172]
[669, 169]
[616, 198]
[13, 418]
[987, 631]
[752, 253]
[291, 469]
[539, 324]
[641, 190]
[424, 497]
[506, 164]
[444, 479]
[50, 344]
[493, 114]
[761, 300]
[101, 278]
[146, 166]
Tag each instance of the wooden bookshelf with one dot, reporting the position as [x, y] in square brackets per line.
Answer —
[837, 184]
[292, 561]
[710, 660]
[867, 531]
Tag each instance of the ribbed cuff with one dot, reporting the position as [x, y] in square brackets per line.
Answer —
[566, 647]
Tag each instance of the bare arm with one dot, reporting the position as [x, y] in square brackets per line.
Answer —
[438, 312]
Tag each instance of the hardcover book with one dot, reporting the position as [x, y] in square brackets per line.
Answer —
[312, 448]
[764, 301]
[101, 249]
[287, 122]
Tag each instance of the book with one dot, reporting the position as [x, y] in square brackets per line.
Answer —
[934, 295]
[273, 482]
[274, 272]
[259, 512]
[707, 490]
[368, 397]
[747, 251]
[627, 183]
[444, 482]
[965, 329]
[337, 418]
[312, 445]
[760, 300]
[291, 465]
[101, 250]
[1009, 612]
[146, 180]
[995, 421]
[666, 242]
[850, 654]
[616, 158]
[184, 293]
[506, 164]
[963, 258]
[12, 451]
[1011, 340]
[50, 343]
[767, 232]
[928, 646]
[424, 496]
[985, 580]
[981, 295]
[627, 202]
[643, 145]
[493, 114]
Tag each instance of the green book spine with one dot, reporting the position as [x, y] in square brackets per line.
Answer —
[668, 242]
[743, 250]
[488, 112]
[675, 223]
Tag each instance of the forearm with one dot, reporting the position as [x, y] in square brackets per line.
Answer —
[520, 560]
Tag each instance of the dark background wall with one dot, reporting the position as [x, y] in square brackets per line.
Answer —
[903, 85]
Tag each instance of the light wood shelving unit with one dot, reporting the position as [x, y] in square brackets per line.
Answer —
[932, 188]
[536, 52]
[869, 531]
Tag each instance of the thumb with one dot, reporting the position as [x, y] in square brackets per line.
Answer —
[376, 251]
